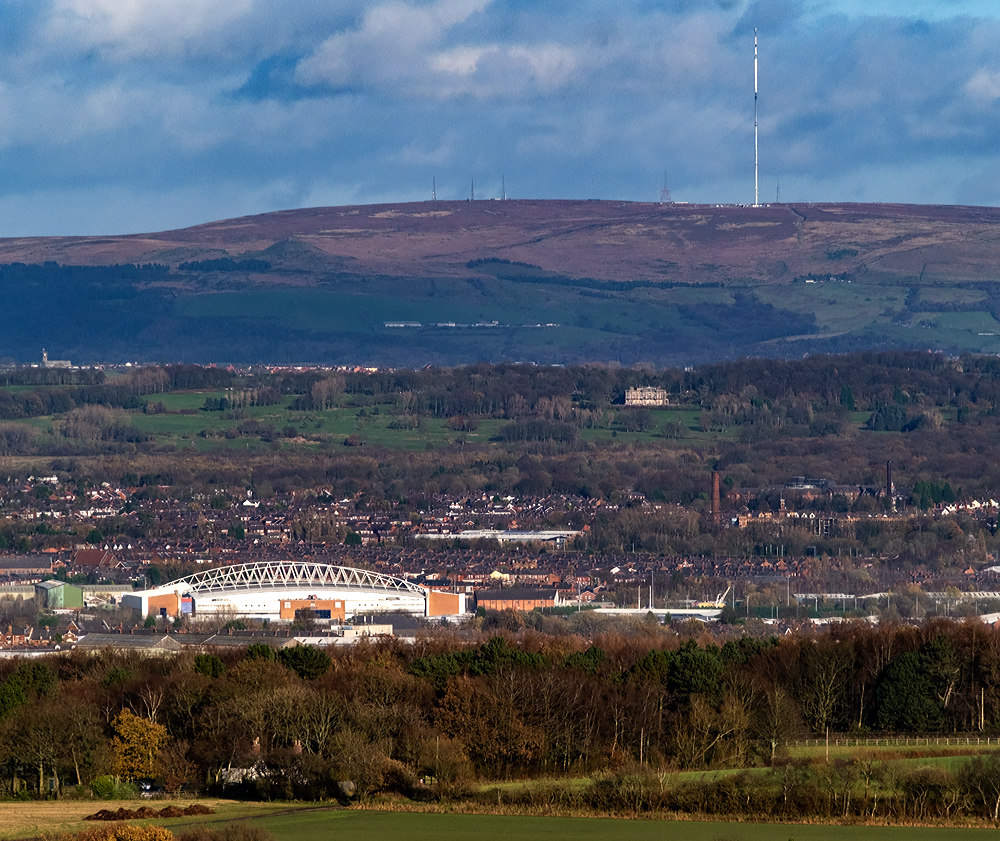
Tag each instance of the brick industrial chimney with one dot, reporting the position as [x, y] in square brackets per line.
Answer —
[716, 497]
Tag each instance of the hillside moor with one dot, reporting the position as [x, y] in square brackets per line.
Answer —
[561, 282]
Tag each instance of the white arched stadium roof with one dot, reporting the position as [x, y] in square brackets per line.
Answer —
[277, 575]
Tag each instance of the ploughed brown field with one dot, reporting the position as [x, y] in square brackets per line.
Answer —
[26, 819]
[603, 240]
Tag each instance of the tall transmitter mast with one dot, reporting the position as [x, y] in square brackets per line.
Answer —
[756, 183]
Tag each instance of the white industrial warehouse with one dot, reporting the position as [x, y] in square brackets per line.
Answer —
[278, 590]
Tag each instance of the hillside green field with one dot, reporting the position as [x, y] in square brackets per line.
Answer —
[378, 826]
[383, 424]
[182, 422]
[301, 822]
[553, 322]
[564, 281]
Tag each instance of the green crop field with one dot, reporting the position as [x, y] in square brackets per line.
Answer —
[377, 826]
[177, 401]
[373, 425]
[679, 295]
[975, 322]
[951, 294]
[310, 822]
[935, 334]
[838, 306]
[179, 425]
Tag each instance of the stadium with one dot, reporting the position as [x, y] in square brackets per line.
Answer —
[277, 591]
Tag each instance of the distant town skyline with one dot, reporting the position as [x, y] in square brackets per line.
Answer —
[124, 116]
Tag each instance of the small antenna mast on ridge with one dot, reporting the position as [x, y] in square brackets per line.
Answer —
[756, 183]
[434, 189]
[665, 192]
[472, 192]
[503, 188]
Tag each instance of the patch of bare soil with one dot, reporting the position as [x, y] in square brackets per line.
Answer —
[145, 812]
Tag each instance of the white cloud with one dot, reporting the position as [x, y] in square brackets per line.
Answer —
[367, 99]
[551, 65]
[984, 84]
[458, 61]
[394, 41]
[134, 29]
[417, 153]
[404, 49]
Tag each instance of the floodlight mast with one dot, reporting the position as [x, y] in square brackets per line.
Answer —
[756, 182]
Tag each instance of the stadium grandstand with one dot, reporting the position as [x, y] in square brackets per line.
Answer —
[277, 591]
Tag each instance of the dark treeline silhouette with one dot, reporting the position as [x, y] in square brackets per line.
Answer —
[913, 382]
[88, 387]
[587, 696]
[51, 376]
[56, 275]
[871, 380]
[528, 273]
[225, 264]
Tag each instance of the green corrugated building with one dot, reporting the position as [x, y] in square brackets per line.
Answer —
[57, 595]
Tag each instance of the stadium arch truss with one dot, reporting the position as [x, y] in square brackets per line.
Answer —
[260, 590]
[267, 576]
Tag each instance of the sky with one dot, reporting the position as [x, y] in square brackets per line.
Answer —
[125, 116]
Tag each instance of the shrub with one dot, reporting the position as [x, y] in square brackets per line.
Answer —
[307, 662]
[209, 665]
[239, 831]
[121, 832]
[139, 833]
[260, 651]
[634, 789]
[111, 788]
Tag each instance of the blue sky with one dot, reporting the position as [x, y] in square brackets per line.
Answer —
[122, 116]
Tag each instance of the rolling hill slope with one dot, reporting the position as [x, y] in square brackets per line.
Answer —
[546, 281]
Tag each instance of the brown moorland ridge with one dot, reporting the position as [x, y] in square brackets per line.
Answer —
[605, 240]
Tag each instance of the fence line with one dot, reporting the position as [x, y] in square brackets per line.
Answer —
[892, 741]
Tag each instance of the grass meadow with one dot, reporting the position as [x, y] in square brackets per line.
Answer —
[309, 822]
[405, 821]
[184, 422]
[361, 825]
